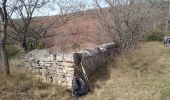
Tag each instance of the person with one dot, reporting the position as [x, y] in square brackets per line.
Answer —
[169, 40]
[165, 40]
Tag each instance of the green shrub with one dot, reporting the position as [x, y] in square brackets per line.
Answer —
[12, 51]
[75, 46]
[154, 36]
[41, 45]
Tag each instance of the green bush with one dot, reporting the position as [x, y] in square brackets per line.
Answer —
[75, 46]
[41, 45]
[12, 51]
[155, 36]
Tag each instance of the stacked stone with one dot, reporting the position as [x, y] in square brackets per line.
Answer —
[92, 58]
[60, 68]
[51, 67]
[65, 69]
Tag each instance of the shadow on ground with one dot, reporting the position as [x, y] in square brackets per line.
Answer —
[102, 74]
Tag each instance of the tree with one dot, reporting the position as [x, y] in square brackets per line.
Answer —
[19, 28]
[126, 21]
[3, 34]
[28, 30]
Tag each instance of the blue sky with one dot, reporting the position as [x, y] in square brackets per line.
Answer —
[46, 11]
[53, 9]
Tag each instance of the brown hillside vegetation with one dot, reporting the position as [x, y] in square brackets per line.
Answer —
[83, 30]
[138, 75]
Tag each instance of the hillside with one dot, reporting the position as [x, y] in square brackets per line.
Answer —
[82, 29]
[142, 74]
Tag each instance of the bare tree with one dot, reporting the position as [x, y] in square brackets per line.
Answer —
[3, 34]
[125, 20]
[29, 30]
[19, 27]
[164, 13]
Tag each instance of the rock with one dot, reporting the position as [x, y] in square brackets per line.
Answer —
[47, 64]
[107, 46]
[64, 84]
[36, 66]
[59, 82]
[68, 64]
[59, 57]
[68, 58]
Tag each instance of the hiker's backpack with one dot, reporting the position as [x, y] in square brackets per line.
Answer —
[79, 87]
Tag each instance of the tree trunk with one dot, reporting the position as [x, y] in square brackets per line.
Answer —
[3, 34]
[4, 57]
[3, 52]
[24, 44]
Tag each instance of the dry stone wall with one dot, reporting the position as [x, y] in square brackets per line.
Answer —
[92, 58]
[60, 68]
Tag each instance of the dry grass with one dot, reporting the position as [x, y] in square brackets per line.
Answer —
[21, 85]
[143, 74]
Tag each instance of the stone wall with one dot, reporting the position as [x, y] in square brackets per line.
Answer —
[60, 68]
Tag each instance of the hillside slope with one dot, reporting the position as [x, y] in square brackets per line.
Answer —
[143, 74]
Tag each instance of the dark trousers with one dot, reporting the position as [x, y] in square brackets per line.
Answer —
[166, 43]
